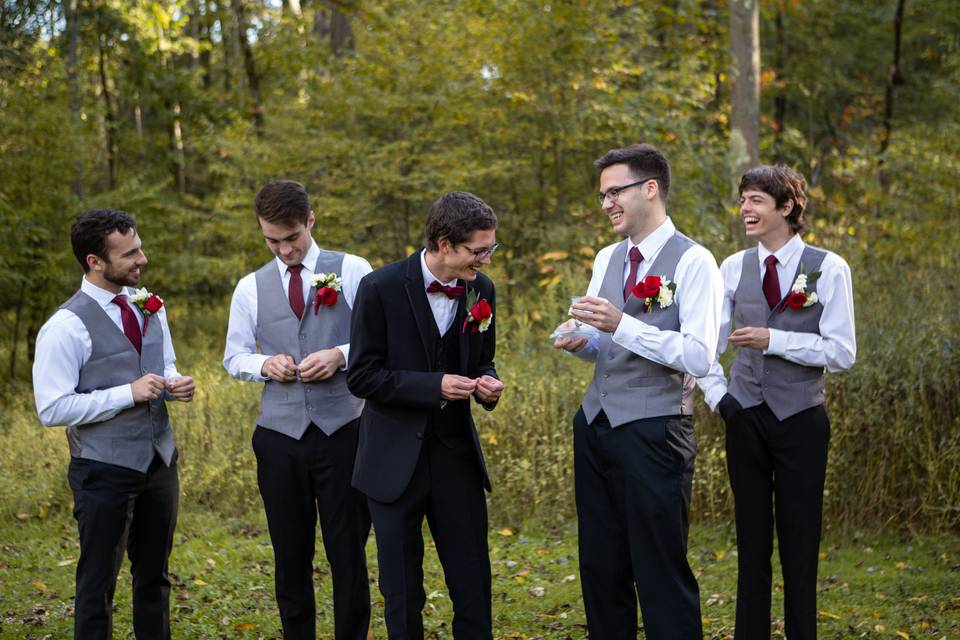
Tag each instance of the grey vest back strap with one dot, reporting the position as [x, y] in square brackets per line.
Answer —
[290, 407]
[132, 437]
[626, 386]
[787, 388]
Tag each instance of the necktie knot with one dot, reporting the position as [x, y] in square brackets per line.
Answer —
[120, 299]
[450, 292]
[771, 260]
[635, 255]
[297, 268]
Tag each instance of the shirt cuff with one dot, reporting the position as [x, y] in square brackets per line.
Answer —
[122, 397]
[778, 343]
[628, 330]
[714, 396]
[345, 350]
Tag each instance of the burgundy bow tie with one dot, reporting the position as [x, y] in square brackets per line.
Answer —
[450, 292]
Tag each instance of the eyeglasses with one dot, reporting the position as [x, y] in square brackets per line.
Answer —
[613, 192]
[485, 252]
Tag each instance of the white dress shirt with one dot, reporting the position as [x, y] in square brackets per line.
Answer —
[698, 297]
[836, 346]
[444, 308]
[241, 358]
[64, 346]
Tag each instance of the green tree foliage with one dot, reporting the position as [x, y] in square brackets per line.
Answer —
[178, 110]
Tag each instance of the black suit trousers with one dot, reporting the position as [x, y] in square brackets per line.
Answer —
[777, 466]
[633, 486]
[117, 508]
[299, 479]
[447, 488]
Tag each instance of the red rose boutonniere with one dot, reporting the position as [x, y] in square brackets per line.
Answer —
[798, 298]
[655, 289]
[327, 284]
[148, 303]
[479, 313]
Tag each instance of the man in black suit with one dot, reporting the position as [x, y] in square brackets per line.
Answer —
[422, 343]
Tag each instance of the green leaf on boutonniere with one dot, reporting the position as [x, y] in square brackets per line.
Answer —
[472, 296]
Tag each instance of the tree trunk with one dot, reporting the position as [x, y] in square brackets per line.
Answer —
[894, 79]
[293, 7]
[249, 65]
[180, 160]
[745, 100]
[72, 21]
[331, 23]
[780, 98]
[110, 120]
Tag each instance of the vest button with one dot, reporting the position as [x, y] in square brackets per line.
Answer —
[606, 375]
[303, 336]
[419, 435]
[156, 441]
[603, 394]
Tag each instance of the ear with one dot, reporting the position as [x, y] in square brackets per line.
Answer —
[651, 189]
[311, 219]
[444, 245]
[787, 208]
[94, 262]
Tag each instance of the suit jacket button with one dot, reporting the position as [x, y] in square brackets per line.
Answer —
[419, 435]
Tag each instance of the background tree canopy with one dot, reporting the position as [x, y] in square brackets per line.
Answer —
[178, 110]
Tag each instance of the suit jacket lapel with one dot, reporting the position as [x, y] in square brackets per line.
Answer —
[464, 337]
[417, 294]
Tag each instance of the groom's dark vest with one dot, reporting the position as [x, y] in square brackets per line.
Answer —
[290, 407]
[626, 386]
[132, 437]
[787, 388]
[451, 423]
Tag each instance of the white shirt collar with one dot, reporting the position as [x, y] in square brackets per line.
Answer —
[428, 276]
[652, 244]
[785, 253]
[102, 296]
[309, 261]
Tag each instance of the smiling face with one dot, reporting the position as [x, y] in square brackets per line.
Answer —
[121, 267]
[290, 243]
[634, 212]
[465, 260]
[763, 220]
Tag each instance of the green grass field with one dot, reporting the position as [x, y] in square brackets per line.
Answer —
[870, 585]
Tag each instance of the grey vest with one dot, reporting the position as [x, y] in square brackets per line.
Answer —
[290, 407]
[626, 386]
[130, 438]
[787, 388]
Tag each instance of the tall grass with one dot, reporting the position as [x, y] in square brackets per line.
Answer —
[894, 454]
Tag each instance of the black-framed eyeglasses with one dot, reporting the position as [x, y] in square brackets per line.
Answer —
[613, 192]
[485, 252]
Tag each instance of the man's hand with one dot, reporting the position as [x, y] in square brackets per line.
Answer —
[597, 312]
[320, 365]
[457, 387]
[182, 388]
[280, 368]
[488, 389]
[569, 344]
[149, 387]
[751, 337]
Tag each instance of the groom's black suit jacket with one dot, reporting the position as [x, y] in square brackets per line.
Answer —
[393, 338]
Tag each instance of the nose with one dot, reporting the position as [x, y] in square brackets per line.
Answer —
[143, 258]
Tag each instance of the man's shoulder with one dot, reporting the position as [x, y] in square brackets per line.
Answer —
[390, 272]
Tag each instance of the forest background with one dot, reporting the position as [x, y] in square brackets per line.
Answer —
[177, 111]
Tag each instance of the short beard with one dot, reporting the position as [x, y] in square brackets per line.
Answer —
[127, 281]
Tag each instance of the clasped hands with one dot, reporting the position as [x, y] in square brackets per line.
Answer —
[152, 386]
[454, 387]
[317, 366]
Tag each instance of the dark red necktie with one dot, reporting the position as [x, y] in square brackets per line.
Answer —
[131, 328]
[295, 291]
[450, 292]
[771, 282]
[635, 259]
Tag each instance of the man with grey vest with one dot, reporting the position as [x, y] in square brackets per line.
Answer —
[792, 305]
[297, 309]
[104, 368]
[654, 300]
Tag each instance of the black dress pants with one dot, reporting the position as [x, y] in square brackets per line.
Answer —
[777, 466]
[117, 508]
[299, 479]
[633, 487]
[447, 488]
